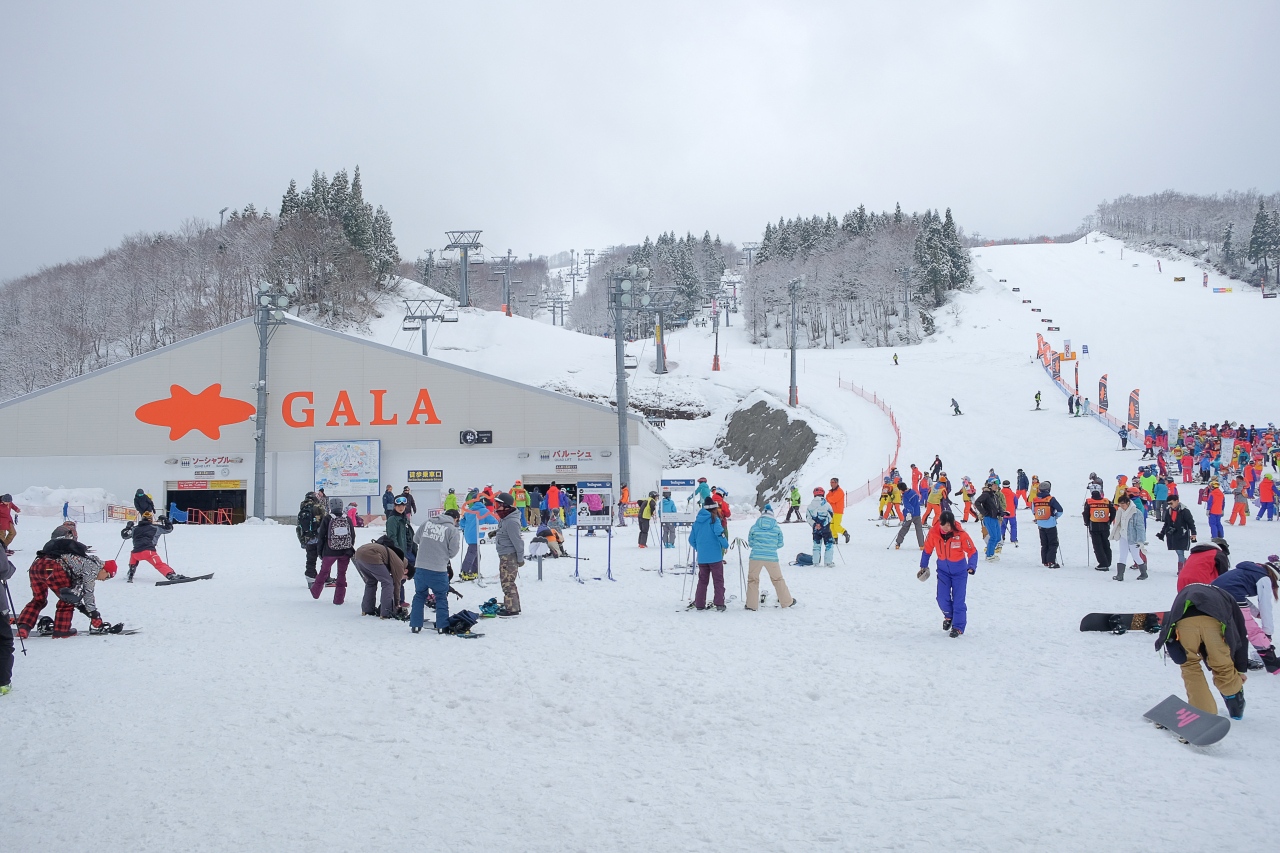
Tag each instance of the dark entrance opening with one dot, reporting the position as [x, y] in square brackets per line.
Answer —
[209, 500]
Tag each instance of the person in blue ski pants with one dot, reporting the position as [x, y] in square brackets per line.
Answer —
[957, 559]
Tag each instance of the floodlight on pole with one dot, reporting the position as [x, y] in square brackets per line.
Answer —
[220, 219]
[268, 318]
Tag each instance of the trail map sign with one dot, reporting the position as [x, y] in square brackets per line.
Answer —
[348, 467]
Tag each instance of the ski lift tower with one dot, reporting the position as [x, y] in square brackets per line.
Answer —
[419, 312]
[464, 242]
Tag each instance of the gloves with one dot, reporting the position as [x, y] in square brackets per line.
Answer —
[923, 574]
[1193, 539]
[1160, 536]
[492, 533]
[973, 571]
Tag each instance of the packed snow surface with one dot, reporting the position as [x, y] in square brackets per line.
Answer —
[248, 716]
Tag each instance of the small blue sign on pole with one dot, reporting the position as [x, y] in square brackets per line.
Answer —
[1084, 348]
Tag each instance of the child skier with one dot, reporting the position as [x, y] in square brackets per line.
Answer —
[819, 515]
[957, 559]
[65, 567]
[145, 535]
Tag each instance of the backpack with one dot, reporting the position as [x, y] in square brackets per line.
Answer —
[803, 559]
[461, 622]
[341, 537]
[307, 524]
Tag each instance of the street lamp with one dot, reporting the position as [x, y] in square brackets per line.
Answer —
[628, 296]
[220, 217]
[907, 273]
[268, 317]
[793, 290]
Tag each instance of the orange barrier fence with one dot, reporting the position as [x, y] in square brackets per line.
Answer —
[872, 487]
[217, 516]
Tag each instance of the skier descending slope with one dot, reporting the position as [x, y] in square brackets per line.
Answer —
[819, 514]
[957, 559]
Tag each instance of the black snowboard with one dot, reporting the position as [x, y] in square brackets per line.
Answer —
[1119, 623]
[91, 633]
[1190, 725]
[185, 580]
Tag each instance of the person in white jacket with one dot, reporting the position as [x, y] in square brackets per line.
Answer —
[1130, 536]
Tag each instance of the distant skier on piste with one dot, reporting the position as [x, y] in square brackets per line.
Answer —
[957, 559]
[145, 535]
[956, 406]
[1037, 401]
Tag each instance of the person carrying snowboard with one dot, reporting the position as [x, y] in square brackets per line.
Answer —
[956, 406]
[1204, 624]
[819, 515]
[765, 539]
[145, 535]
[1047, 512]
[1251, 580]
[957, 559]
[65, 567]
[793, 499]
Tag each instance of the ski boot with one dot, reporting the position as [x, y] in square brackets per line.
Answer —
[846, 537]
[1119, 575]
[503, 611]
[174, 576]
[70, 632]
[946, 624]
[4, 689]
[1235, 705]
[1269, 660]
[955, 632]
[720, 608]
[133, 569]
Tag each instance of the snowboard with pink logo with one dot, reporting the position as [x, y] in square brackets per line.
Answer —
[1191, 725]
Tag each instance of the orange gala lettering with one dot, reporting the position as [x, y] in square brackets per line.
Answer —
[343, 408]
[308, 415]
[378, 420]
[422, 406]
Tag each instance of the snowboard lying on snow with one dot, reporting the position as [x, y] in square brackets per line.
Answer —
[1119, 623]
[1190, 725]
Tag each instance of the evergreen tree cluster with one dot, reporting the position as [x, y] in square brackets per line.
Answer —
[857, 270]
[334, 245]
[1209, 227]
[690, 265]
[156, 289]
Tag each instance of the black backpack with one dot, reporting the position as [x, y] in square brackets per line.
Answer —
[308, 524]
[461, 622]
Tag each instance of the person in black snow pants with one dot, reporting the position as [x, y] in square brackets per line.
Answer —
[956, 406]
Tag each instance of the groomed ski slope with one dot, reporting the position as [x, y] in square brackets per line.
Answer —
[247, 716]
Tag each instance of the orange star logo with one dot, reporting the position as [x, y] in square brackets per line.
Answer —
[207, 412]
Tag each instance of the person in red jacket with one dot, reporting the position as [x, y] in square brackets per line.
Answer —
[553, 500]
[720, 496]
[1205, 562]
[1215, 504]
[1267, 497]
[1009, 524]
[916, 474]
[8, 519]
[957, 559]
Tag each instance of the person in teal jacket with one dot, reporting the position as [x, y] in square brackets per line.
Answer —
[700, 494]
[766, 540]
[668, 507]
[709, 544]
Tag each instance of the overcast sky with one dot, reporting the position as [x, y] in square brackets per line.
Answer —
[555, 124]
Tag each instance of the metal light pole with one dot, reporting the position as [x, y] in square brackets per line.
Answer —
[715, 327]
[269, 316]
[464, 242]
[628, 295]
[221, 214]
[660, 347]
[907, 273]
[793, 290]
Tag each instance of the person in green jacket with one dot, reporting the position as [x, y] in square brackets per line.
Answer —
[399, 530]
[765, 539]
[794, 500]
[451, 501]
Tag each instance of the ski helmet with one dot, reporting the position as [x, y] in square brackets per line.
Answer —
[818, 492]
[505, 499]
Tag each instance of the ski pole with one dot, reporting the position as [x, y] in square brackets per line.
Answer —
[14, 611]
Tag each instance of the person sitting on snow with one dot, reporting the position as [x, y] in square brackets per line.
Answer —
[66, 567]
[145, 535]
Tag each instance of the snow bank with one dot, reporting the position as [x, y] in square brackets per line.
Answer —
[43, 501]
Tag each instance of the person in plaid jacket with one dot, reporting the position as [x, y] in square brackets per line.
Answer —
[66, 567]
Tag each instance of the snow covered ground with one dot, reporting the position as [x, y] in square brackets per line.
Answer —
[248, 716]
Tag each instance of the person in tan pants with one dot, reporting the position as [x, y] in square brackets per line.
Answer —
[765, 539]
[1210, 629]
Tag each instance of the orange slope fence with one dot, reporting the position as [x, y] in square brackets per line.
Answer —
[872, 487]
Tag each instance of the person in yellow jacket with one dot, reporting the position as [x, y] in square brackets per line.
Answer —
[451, 501]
